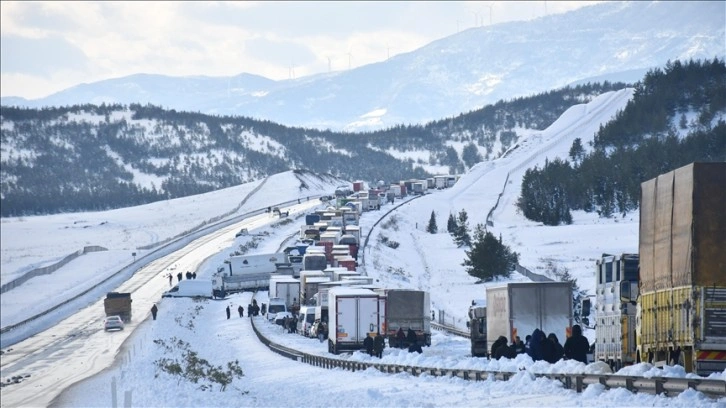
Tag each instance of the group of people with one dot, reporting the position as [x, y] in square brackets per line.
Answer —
[290, 323]
[539, 347]
[252, 310]
[374, 345]
[179, 276]
[409, 340]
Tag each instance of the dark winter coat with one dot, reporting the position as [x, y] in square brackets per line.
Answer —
[401, 337]
[378, 345]
[505, 351]
[368, 344]
[536, 345]
[411, 337]
[519, 347]
[501, 341]
[577, 346]
[556, 351]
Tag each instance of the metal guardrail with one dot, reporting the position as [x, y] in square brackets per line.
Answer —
[450, 329]
[144, 260]
[370, 230]
[578, 382]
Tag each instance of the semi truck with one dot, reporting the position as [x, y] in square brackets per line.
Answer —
[407, 309]
[516, 309]
[477, 325]
[249, 272]
[615, 319]
[118, 304]
[681, 290]
[353, 314]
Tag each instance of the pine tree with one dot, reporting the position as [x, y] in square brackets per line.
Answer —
[432, 228]
[489, 257]
[451, 225]
[461, 236]
[576, 150]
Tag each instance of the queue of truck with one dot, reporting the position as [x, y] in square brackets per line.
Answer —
[667, 304]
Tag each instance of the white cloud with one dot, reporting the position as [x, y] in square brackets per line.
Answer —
[190, 38]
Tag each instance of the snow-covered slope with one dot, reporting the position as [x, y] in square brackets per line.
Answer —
[433, 262]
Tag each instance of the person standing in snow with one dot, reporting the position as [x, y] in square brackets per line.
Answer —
[171, 278]
[556, 352]
[577, 346]
[241, 310]
[179, 277]
[536, 347]
[154, 309]
[368, 344]
[227, 312]
[378, 345]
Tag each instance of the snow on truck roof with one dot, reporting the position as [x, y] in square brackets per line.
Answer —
[346, 291]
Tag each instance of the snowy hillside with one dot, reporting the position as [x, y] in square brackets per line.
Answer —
[129, 358]
[434, 262]
[479, 66]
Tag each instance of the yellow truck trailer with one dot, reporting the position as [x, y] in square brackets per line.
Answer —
[681, 293]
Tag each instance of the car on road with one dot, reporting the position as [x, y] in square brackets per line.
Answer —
[241, 232]
[113, 323]
[280, 318]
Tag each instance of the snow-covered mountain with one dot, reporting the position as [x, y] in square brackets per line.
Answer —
[613, 40]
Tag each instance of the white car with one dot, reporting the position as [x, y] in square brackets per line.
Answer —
[113, 323]
[280, 317]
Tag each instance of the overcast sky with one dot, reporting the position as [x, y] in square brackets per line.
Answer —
[50, 46]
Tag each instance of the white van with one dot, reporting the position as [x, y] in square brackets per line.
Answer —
[305, 320]
[191, 288]
[277, 305]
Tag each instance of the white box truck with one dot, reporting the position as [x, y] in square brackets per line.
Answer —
[407, 309]
[286, 288]
[516, 309]
[352, 314]
[191, 288]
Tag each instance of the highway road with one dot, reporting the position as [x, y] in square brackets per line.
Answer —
[78, 347]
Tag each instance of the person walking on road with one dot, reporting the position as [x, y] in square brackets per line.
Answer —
[227, 312]
[154, 309]
[241, 311]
